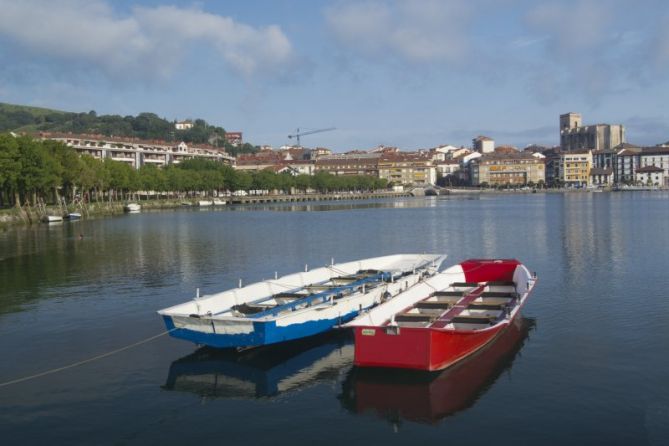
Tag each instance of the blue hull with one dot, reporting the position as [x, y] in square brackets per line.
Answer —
[264, 333]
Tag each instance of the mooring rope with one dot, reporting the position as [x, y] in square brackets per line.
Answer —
[85, 361]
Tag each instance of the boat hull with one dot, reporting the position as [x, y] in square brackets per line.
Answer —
[273, 311]
[260, 333]
[418, 348]
[446, 339]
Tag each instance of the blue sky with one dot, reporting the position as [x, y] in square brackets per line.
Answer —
[413, 74]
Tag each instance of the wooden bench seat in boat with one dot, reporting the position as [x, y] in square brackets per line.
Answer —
[498, 294]
[290, 295]
[464, 284]
[448, 293]
[413, 317]
[250, 309]
[431, 305]
[472, 320]
[501, 283]
[478, 306]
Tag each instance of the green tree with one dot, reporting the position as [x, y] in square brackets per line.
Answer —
[10, 170]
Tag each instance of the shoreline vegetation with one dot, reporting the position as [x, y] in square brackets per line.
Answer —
[39, 177]
[29, 215]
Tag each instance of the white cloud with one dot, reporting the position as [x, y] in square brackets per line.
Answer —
[660, 45]
[590, 47]
[573, 28]
[144, 43]
[415, 31]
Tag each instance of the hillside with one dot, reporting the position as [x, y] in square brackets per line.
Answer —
[20, 118]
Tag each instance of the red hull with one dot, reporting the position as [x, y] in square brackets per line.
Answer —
[429, 398]
[418, 348]
[434, 347]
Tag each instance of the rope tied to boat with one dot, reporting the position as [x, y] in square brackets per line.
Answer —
[84, 361]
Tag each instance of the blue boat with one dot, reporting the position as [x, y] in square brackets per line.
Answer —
[297, 305]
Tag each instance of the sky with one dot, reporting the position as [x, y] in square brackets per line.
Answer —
[413, 74]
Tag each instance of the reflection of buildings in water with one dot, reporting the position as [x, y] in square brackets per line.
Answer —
[488, 232]
[427, 397]
[262, 372]
[592, 234]
[314, 206]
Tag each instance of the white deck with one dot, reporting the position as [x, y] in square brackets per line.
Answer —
[412, 307]
[215, 312]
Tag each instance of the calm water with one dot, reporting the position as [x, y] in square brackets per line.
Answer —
[588, 365]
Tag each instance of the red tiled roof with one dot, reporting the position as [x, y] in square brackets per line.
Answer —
[649, 169]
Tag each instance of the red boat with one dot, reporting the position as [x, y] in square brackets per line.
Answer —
[428, 397]
[445, 318]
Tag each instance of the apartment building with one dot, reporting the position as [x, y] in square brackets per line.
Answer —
[414, 169]
[138, 153]
[574, 168]
[506, 169]
[349, 164]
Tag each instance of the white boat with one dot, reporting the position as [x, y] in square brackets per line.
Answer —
[132, 207]
[218, 202]
[297, 305]
[52, 218]
[73, 216]
[205, 203]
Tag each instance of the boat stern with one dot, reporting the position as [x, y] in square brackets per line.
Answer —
[391, 346]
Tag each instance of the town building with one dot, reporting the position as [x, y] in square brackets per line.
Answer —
[502, 169]
[656, 157]
[601, 177]
[320, 151]
[448, 172]
[262, 160]
[138, 153]
[626, 161]
[552, 169]
[650, 176]
[574, 168]
[234, 138]
[414, 169]
[349, 164]
[576, 137]
[183, 125]
[483, 144]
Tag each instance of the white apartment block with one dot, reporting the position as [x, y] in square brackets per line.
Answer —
[139, 153]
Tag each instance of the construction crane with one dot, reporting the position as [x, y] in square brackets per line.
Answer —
[297, 133]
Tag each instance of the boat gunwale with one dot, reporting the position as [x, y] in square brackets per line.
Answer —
[425, 261]
[521, 299]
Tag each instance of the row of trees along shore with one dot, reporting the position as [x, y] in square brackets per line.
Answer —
[36, 171]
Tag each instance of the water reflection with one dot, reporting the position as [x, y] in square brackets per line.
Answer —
[263, 372]
[428, 397]
[407, 203]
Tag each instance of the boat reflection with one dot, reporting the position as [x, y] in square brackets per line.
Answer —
[263, 372]
[427, 397]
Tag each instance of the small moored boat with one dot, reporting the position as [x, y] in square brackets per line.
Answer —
[444, 319]
[132, 207]
[52, 218]
[73, 216]
[205, 203]
[297, 305]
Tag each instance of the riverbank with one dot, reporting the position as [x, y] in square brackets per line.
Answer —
[29, 215]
